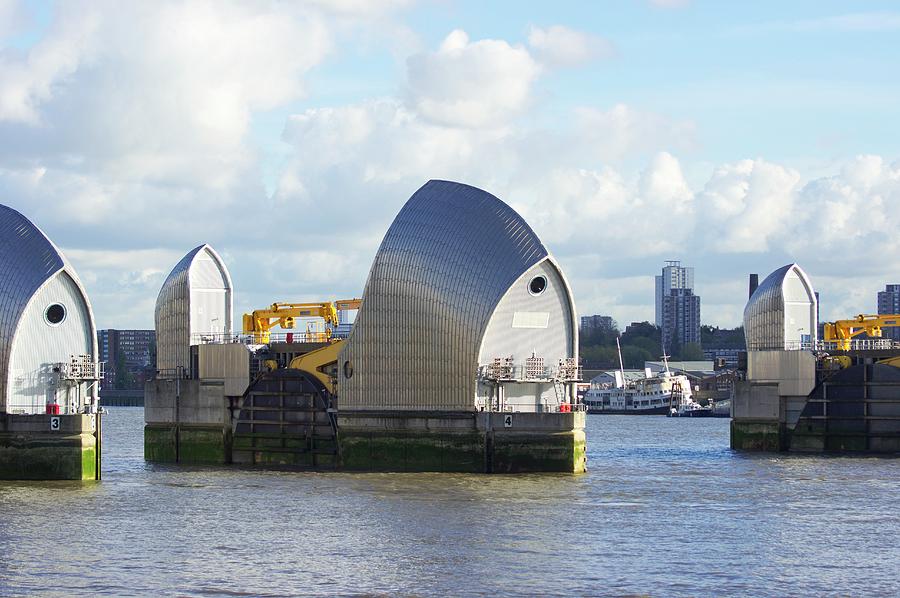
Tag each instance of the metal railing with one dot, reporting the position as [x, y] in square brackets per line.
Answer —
[503, 368]
[524, 373]
[81, 368]
[219, 338]
[865, 344]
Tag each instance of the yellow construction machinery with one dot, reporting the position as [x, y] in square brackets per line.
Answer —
[842, 331]
[894, 361]
[321, 363]
[347, 304]
[261, 321]
[836, 362]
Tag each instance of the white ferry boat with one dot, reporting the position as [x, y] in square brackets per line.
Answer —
[652, 395]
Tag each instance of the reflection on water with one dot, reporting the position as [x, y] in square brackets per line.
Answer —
[665, 508]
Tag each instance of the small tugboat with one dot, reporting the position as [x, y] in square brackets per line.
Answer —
[684, 405]
[690, 408]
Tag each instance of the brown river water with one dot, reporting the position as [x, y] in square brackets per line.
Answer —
[666, 509]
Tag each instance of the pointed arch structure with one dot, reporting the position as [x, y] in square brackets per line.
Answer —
[195, 301]
[46, 319]
[782, 313]
[460, 279]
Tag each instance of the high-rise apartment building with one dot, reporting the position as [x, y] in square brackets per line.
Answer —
[128, 352]
[673, 276]
[889, 303]
[677, 307]
[681, 319]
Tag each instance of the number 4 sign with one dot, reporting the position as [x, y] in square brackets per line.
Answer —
[507, 420]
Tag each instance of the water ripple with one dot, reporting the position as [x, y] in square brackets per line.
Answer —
[666, 508]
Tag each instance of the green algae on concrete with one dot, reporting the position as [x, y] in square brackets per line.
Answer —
[202, 445]
[159, 444]
[522, 452]
[463, 442]
[756, 436]
[31, 450]
[35, 459]
[411, 451]
[198, 445]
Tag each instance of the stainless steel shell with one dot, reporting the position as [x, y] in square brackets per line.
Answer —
[28, 260]
[449, 257]
[195, 300]
[781, 313]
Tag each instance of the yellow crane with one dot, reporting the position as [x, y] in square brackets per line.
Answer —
[347, 304]
[261, 321]
[321, 363]
[842, 331]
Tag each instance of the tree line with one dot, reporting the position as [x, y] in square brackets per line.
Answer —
[641, 342]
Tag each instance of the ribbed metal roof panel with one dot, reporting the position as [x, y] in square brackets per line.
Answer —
[764, 314]
[442, 268]
[28, 258]
[173, 308]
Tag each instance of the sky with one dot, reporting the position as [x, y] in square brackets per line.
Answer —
[734, 136]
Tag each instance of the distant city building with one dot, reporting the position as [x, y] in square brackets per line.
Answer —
[677, 307]
[597, 323]
[889, 303]
[681, 319]
[727, 358]
[128, 353]
[673, 276]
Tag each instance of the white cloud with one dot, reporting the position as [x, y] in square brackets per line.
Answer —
[11, 17]
[560, 46]
[471, 84]
[855, 213]
[128, 125]
[160, 91]
[750, 214]
[624, 130]
[28, 81]
[664, 188]
[746, 204]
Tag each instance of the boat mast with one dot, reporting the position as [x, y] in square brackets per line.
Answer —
[621, 366]
[665, 361]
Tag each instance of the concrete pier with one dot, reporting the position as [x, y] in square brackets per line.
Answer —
[282, 424]
[186, 421]
[50, 447]
[463, 357]
[768, 403]
[785, 406]
[481, 442]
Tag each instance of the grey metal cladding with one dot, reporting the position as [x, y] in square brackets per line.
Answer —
[781, 307]
[442, 268]
[172, 317]
[175, 316]
[27, 260]
[764, 313]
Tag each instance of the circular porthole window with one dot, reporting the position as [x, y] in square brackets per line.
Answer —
[55, 314]
[348, 369]
[537, 285]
